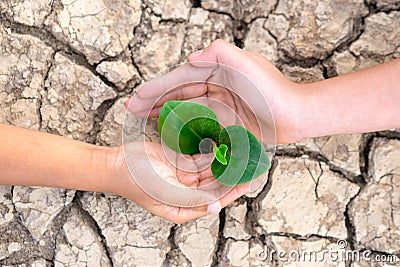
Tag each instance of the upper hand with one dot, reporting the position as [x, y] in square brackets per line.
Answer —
[263, 99]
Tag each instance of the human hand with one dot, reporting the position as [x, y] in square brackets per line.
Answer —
[55, 161]
[191, 194]
[273, 111]
[243, 83]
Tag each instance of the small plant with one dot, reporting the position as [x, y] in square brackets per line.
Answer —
[191, 128]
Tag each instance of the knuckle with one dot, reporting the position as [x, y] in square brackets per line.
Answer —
[218, 43]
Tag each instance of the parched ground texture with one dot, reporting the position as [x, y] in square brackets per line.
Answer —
[67, 67]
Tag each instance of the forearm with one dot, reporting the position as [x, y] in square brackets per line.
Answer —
[33, 158]
[364, 101]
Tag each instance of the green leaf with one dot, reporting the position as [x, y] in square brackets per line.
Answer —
[183, 125]
[245, 156]
[186, 127]
[220, 153]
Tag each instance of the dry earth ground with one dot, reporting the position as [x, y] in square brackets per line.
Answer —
[67, 67]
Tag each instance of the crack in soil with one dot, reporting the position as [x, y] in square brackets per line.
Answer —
[301, 151]
[40, 100]
[50, 40]
[239, 33]
[99, 116]
[175, 250]
[221, 240]
[91, 222]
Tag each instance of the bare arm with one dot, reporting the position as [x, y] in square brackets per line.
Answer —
[363, 101]
[33, 158]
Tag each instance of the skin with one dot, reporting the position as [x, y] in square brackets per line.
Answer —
[31, 158]
[363, 101]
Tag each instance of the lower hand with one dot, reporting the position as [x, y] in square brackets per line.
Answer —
[125, 185]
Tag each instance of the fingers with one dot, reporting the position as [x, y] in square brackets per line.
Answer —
[143, 106]
[184, 74]
[255, 184]
[234, 194]
[181, 215]
[147, 167]
[195, 179]
[187, 81]
[218, 51]
[186, 214]
[240, 190]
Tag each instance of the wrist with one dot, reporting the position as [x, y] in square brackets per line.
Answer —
[102, 174]
[300, 124]
[316, 115]
[116, 178]
[287, 108]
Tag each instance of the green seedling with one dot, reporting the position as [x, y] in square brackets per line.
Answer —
[220, 153]
[191, 128]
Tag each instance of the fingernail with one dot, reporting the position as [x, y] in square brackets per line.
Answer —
[252, 188]
[255, 184]
[128, 102]
[197, 53]
[214, 208]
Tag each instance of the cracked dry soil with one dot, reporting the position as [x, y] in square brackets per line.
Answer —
[319, 191]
